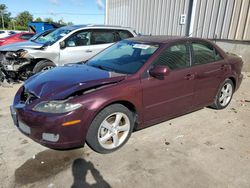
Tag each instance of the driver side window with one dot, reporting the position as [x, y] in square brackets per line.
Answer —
[175, 57]
[81, 38]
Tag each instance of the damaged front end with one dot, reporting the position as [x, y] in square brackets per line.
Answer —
[16, 64]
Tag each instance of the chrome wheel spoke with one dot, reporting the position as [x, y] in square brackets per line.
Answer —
[224, 101]
[223, 90]
[105, 138]
[123, 128]
[106, 125]
[221, 98]
[115, 140]
[118, 118]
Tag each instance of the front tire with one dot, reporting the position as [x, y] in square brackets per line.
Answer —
[110, 129]
[224, 96]
[43, 65]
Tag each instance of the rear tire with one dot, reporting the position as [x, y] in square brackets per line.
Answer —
[110, 129]
[43, 65]
[224, 95]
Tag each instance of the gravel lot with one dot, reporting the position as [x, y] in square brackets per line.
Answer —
[207, 148]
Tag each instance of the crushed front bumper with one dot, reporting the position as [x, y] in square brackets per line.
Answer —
[48, 130]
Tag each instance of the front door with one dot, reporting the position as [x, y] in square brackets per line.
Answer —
[84, 44]
[173, 95]
[77, 48]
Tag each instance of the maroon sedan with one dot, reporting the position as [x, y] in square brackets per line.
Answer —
[18, 37]
[131, 85]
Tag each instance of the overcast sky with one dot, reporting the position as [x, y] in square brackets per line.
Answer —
[76, 11]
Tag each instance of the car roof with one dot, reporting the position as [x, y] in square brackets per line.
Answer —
[74, 27]
[161, 39]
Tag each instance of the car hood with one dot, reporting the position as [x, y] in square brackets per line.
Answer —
[20, 45]
[61, 82]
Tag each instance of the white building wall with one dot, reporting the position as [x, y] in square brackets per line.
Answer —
[221, 19]
[148, 16]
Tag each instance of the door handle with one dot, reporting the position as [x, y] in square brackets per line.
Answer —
[88, 51]
[189, 77]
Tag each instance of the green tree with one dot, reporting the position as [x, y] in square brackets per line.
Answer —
[70, 23]
[4, 16]
[38, 19]
[61, 22]
[24, 18]
[49, 20]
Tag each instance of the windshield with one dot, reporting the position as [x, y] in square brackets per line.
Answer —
[125, 57]
[53, 36]
[40, 35]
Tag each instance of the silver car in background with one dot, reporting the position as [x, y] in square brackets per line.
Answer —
[69, 44]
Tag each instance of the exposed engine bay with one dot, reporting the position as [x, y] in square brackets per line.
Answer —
[14, 66]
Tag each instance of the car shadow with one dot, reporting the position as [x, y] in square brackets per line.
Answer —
[45, 164]
[80, 169]
[49, 162]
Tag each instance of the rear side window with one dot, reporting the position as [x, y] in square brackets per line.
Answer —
[175, 57]
[103, 36]
[26, 36]
[204, 53]
[124, 34]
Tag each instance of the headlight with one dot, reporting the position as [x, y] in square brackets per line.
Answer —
[56, 107]
[23, 54]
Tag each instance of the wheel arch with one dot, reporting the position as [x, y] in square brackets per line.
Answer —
[35, 61]
[233, 80]
[125, 103]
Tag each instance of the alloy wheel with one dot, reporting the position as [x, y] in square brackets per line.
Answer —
[113, 130]
[226, 94]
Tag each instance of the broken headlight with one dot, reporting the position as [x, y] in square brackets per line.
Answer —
[23, 54]
[56, 107]
[11, 55]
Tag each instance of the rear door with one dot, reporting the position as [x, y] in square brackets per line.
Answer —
[101, 39]
[173, 95]
[210, 70]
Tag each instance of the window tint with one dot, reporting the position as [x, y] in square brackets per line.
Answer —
[124, 34]
[81, 38]
[175, 57]
[103, 37]
[26, 36]
[11, 32]
[204, 54]
[123, 57]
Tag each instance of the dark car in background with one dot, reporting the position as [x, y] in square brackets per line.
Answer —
[131, 85]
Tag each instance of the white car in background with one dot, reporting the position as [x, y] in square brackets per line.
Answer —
[6, 33]
[69, 44]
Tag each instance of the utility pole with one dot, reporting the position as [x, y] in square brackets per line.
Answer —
[2, 12]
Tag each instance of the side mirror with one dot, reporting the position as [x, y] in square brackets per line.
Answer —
[62, 45]
[159, 72]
